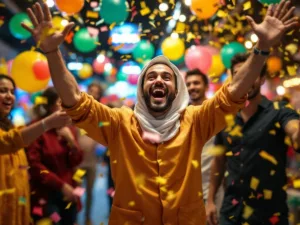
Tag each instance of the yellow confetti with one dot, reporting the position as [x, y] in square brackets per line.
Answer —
[171, 195]
[161, 180]
[268, 157]
[285, 187]
[200, 194]
[45, 221]
[236, 131]
[247, 212]
[254, 183]
[267, 194]
[292, 70]
[276, 105]
[112, 26]
[69, 205]
[131, 203]
[272, 172]
[163, 189]
[277, 125]
[80, 173]
[272, 132]
[215, 150]
[82, 132]
[231, 217]
[39, 100]
[296, 183]
[114, 162]
[222, 13]
[195, 164]
[247, 5]
[92, 14]
[229, 153]
[145, 11]
[141, 152]
[152, 24]
[169, 18]
[44, 171]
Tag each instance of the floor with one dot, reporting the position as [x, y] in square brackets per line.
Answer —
[100, 207]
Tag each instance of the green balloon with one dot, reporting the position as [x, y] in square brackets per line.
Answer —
[114, 11]
[268, 2]
[229, 51]
[121, 76]
[83, 41]
[15, 26]
[178, 61]
[34, 95]
[143, 51]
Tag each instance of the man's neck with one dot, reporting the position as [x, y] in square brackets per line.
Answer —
[249, 111]
[199, 101]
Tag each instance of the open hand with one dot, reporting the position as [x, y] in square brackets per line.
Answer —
[57, 119]
[43, 31]
[276, 23]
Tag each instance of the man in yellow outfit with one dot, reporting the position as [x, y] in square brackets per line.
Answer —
[158, 180]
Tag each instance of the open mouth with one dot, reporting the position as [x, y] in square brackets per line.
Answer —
[7, 104]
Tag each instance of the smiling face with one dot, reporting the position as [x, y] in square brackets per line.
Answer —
[7, 96]
[159, 89]
[196, 87]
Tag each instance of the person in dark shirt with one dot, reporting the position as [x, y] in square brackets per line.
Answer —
[53, 158]
[255, 143]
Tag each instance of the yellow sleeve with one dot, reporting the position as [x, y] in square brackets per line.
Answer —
[99, 121]
[11, 141]
[210, 116]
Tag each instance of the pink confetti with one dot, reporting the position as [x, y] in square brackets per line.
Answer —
[37, 211]
[42, 201]
[237, 154]
[55, 217]
[79, 191]
[259, 195]
[153, 138]
[111, 192]
[94, 4]
[104, 28]
[274, 220]
[234, 202]
[247, 103]
[93, 31]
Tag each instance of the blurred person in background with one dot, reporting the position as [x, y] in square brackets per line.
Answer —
[255, 159]
[14, 179]
[53, 158]
[198, 84]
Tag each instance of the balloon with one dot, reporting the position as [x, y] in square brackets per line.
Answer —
[70, 6]
[121, 76]
[9, 65]
[143, 51]
[178, 61]
[15, 26]
[26, 77]
[86, 71]
[41, 70]
[198, 57]
[204, 9]
[212, 50]
[99, 64]
[217, 67]
[274, 64]
[229, 51]
[268, 2]
[58, 23]
[114, 11]
[133, 79]
[83, 42]
[100, 150]
[4, 68]
[34, 95]
[173, 48]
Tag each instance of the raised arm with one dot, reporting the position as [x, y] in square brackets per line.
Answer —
[49, 40]
[270, 33]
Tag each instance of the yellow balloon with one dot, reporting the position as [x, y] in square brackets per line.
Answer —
[173, 48]
[204, 9]
[22, 71]
[217, 67]
[58, 23]
[86, 71]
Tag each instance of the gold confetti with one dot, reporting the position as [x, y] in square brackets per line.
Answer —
[222, 14]
[276, 105]
[229, 153]
[200, 194]
[131, 203]
[92, 14]
[195, 164]
[161, 180]
[112, 26]
[247, 212]
[254, 183]
[39, 100]
[145, 11]
[231, 217]
[272, 172]
[296, 183]
[247, 5]
[69, 205]
[268, 157]
[215, 150]
[267, 194]
[82, 132]
[272, 132]
[44, 171]
[171, 195]
[141, 152]
[277, 125]
[236, 131]
[292, 70]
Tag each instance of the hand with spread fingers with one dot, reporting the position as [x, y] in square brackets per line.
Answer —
[276, 23]
[43, 31]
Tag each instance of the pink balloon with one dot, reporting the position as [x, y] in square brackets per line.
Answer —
[133, 79]
[99, 63]
[197, 57]
[212, 50]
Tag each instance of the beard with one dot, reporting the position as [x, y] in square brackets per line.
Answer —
[253, 93]
[199, 95]
[159, 107]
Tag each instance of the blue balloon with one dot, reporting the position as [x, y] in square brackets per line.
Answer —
[100, 150]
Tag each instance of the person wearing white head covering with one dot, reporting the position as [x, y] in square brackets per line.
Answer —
[157, 181]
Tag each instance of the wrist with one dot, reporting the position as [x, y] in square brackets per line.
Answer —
[45, 124]
[263, 47]
[51, 51]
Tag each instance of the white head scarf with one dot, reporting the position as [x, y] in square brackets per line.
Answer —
[168, 126]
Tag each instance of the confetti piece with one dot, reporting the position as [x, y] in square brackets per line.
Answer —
[254, 183]
[267, 194]
[145, 11]
[69, 205]
[272, 172]
[234, 202]
[229, 140]
[296, 183]
[292, 70]
[215, 150]
[171, 195]
[42, 201]
[39, 100]
[112, 26]
[37, 211]
[277, 125]
[44, 171]
[229, 153]
[287, 141]
[200, 194]
[93, 31]
[195, 164]
[274, 220]
[80, 172]
[272, 132]
[276, 105]
[141, 152]
[45, 221]
[131, 203]
[22, 201]
[92, 14]
[247, 212]
[222, 14]
[104, 123]
[55, 217]
[231, 217]
[268, 157]
[160, 180]
[236, 131]
[79, 191]
[247, 5]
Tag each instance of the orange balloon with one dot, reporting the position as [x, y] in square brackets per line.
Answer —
[70, 6]
[274, 64]
[204, 9]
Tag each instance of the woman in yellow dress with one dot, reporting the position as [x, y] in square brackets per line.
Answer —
[14, 180]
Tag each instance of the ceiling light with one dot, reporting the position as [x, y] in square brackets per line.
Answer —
[163, 7]
[174, 35]
[254, 38]
[50, 3]
[188, 2]
[182, 18]
[248, 44]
